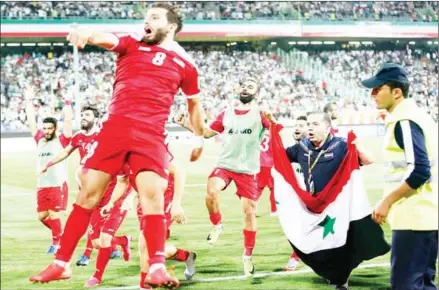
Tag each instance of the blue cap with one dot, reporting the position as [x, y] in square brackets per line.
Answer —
[386, 73]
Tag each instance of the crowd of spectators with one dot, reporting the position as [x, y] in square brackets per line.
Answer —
[285, 91]
[239, 10]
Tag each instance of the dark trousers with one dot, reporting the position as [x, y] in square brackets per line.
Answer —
[413, 260]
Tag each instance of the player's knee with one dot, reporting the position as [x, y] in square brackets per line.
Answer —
[52, 215]
[96, 243]
[43, 215]
[250, 208]
[105, 240]
[212, 192]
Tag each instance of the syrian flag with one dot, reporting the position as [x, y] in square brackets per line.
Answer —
[332, 232]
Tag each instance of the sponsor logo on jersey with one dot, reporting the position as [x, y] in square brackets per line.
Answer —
[244, 131]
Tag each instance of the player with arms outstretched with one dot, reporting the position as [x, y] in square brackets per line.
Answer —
[150, 72]
[243, 127]
[52, 190]
[173, 212]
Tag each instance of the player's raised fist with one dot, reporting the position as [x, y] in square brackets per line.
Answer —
[269, 117]
[79, 37]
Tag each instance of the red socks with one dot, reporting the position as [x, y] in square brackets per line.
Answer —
[215, 218]
[142, 279]
[119, 241]
[294, 256]
[180, 255]
[88, 248]
[249, 242]
[154, 231]
[104, 255]
[75, 228]
[273, 206]
[55, 226]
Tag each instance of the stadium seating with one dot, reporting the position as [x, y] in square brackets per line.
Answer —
[334, 11]
[284, 90]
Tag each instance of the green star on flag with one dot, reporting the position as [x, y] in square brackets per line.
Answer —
[328, 226]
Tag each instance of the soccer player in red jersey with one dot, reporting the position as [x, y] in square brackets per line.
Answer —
[332, 111]
[83, 141]
[264, 177]
[150, 72]
[52, 190]
[173, 212]
[106, 221]
[242, 126]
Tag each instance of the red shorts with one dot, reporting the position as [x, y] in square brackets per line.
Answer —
[168, 219]
[51, 198]
[265, 179]
[246, 185]
[123, 139]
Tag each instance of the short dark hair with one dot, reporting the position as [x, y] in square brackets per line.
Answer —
[396, 85]
[173, 14]
[301, 118]
[327, 107]
[325, 117]
[91, 108]
[51, 120]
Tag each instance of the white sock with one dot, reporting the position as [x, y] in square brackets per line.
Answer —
[60, 263]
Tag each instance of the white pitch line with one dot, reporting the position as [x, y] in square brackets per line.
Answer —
[30, 192]
[243, 277]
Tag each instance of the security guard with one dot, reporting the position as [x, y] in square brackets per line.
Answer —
[410, 202]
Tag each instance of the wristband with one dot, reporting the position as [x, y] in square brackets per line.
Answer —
[49, 164]
[198, 141]
[68, 102]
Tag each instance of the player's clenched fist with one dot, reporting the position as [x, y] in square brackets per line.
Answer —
[79, 37]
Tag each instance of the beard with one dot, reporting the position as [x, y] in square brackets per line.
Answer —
[49, 137]
[86, 126]
[246, 98]
[157, 38]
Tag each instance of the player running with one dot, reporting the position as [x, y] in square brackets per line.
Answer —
[173, 212]
[243, 128]
[150, 71]
[106, 221]
[52, 190]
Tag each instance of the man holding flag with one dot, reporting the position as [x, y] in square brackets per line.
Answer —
[329, 224]
[410, 202]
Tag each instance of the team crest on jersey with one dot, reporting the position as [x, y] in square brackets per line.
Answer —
[144, 48]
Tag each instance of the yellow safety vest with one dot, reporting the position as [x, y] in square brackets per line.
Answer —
[418, 211]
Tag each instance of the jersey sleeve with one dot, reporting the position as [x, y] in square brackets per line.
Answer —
[123, 44]
[64, 140]
[217, 124]
[190, 85]
[38, 136]
[74, 141]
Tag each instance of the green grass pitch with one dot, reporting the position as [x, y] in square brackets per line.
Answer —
[24, 240]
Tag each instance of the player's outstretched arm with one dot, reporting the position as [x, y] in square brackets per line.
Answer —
[68, 118]
[61, 156]
[185, 123]
[80, 37]
[196, 119]
[29, 95]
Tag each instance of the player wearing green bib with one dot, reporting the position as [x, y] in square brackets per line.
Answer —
[243, 127]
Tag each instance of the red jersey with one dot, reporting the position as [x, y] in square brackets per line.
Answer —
[217, 124]
[84, 143]
[147, 79]
[266, 152]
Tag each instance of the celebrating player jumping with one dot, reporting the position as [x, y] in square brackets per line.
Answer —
[150, 71]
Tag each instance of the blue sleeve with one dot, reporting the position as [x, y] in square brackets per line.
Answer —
[293, 152]
[409, 136]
